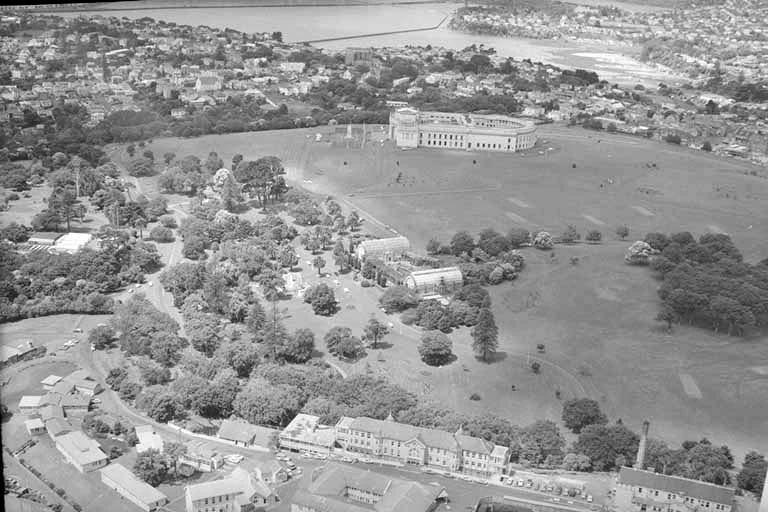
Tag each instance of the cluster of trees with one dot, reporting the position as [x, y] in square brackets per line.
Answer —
[41, 283]
[492, 259]
[708, 283]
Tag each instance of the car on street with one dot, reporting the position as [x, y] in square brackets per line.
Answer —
[347, 459]
[78, 330]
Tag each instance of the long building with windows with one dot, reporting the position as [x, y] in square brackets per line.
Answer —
[412, 128]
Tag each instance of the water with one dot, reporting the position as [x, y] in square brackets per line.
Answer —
[311, 23]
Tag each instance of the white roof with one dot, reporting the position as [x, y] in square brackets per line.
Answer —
[306, 427]
[132, 485]
[215, 488]
[73, 242]
[51, 380]
[434, 275]
[34, 423]
[81, 448]
[30, 401]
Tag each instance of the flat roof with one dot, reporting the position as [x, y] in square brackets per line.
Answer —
[51, 380]
[34, 423]
[132, 485]
[81, 448]
[30, 401]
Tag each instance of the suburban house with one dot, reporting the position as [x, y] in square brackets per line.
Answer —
[81, 451]
[435, 280]
[83, 382]
[304, 433]
[35, 426]
[29, 404]
[75, 403]
[148, 439]
[243, 433]
[386, 249]
[407, 444]
[50, 381]
[339, 488]
[272, 472]
[202, 459]
[239, 492]
[117, 477]
[639, 490]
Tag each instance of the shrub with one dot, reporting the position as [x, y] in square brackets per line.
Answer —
[543, 241]
[475, 397]
[707, 146]
[673, 138]
[622, 232]
[536, 367]
[570, 235]
[161, 234]
[365, 283]
[168, 221]
[594, 236]
[13, 196]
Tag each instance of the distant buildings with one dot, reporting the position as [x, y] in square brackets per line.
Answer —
[411, 128]
[117, 477]
[337, 488]
[239, 492]
[639, 490]
[355, 56]
[209, 83]
[81, 451]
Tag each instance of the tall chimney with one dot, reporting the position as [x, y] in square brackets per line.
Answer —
[641, 449]
[764, 501]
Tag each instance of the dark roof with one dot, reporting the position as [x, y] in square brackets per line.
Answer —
[676, 485]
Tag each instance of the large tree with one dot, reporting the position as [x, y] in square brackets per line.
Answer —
[152, 467]
[462, 242]
[435, 348]
[342, 343]
[752, 474]
[65, 203]
[375, 330]
[580, 412]
[604, 444]
[485, 335]
[322, 299]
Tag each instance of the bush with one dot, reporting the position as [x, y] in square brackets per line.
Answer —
[365, 283]
[594, 236]
[161, 234]
[570, 235]
[673, 138]
[13, 196]
[622, 232]
[707, 146]
[168, 221]
[475, 397]
[543, 241]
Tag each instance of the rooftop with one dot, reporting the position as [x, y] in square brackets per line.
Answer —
[135, 487]
[244, 432]
[676, 485]
[80, 447]
[306, 427]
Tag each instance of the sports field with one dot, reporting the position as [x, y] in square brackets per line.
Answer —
[595, 318]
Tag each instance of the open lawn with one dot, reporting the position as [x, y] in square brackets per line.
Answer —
[595, 318]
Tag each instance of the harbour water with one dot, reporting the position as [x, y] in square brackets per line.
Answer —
[323, 22]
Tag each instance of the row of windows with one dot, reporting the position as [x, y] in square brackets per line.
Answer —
[446, 136]
[688, 499]
[213, 500]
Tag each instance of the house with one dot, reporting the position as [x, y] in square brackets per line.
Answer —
[75, 404]
[84, 383]
[50, 411]
[81, 451]
[292, 67]
[387, 249]
[435, 280]
[57, 427]
[243, 433]
[202, 459]
[50, 381]
[272, 472]
[355, 56]
[239, 492]
[43, 238]
[124, 482]
[29, 404]
[63, 387]
[148, 439]
[35, 426]
[304, 433]
[639, 490]
[338, 488]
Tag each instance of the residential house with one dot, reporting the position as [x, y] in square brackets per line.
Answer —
[124, 482]
[239, 492]
[84, 383]
[81, 451]
[243, 433]
[639, 490]
[75, 403]
[29, 404]
[35, 426]
[57, 427]
[202, 459]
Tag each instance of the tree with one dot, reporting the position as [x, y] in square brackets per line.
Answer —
[667, 314]
[462, 242]
[236, 160]
[580, 412]
[141, 167]
[707, 146]
[152, 467]
[518, 237]
[318, 262]
[433, 246]
[622, 232]
[322, 299]
[576, 462]
[485, 335]
[375, 330]
[65, 203]
[299, 347]
[603, 444]
[435, 348]
[342, 343]
[161, 234]
[543, 241]
[594, 236]
[398, 298]
[570, 235]
[168, 157]
[165, 407]
[353, 220]
[540, 440]
[46, 220]
[102, 336]
[752, 474]
[263, 403]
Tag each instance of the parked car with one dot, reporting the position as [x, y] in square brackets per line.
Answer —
[78, 330]
[589, 498]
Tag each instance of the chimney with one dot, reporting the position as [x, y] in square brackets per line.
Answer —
[764, 501]
[641, 449]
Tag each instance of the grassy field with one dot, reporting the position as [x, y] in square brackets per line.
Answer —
[595, 318]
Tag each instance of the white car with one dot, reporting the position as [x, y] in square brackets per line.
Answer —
[235, 458]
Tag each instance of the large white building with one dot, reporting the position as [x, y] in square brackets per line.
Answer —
[411, 128]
